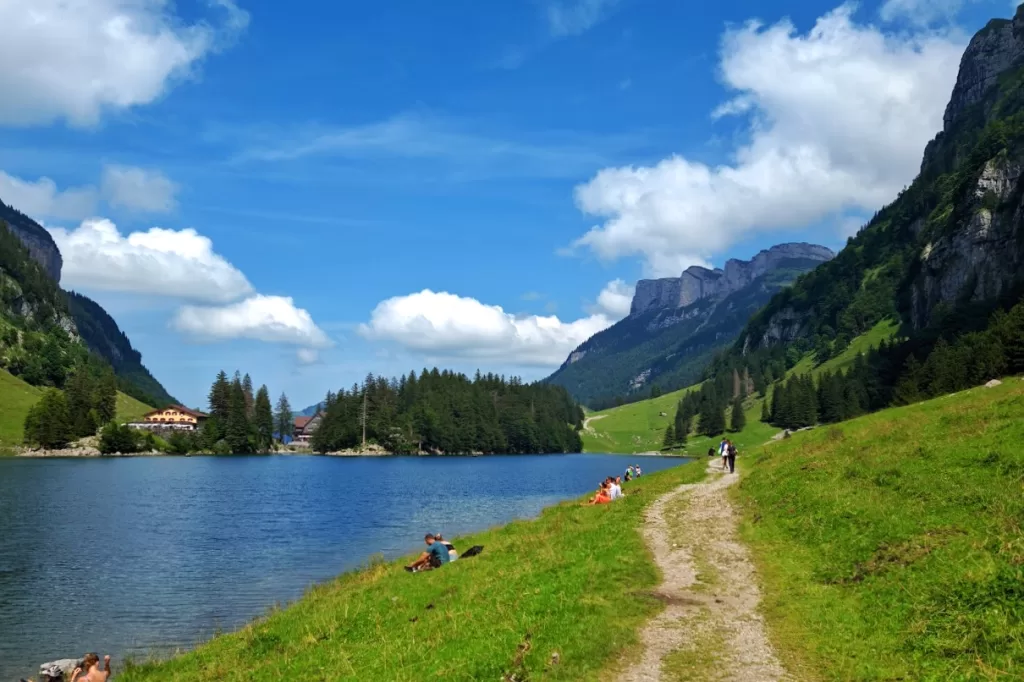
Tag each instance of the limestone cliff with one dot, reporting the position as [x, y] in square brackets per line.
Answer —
[697, 283]
[36, 239]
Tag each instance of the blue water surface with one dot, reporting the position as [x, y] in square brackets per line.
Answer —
[144, 556]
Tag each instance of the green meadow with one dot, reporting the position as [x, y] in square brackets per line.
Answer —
[561, 597]
[891, 547]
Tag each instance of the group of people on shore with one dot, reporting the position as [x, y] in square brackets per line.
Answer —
[439, 552]
[611, 487]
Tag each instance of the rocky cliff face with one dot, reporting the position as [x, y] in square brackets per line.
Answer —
[992, 51]
[35, 238]
[697, 283]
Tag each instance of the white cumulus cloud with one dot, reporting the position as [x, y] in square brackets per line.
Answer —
[74, 59]
[41, 199]
[615, 300]
[138, 189]
[838, 120]
[445, 325]
[274, 319]
[173, 263]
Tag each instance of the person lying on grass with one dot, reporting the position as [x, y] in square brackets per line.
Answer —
[435, 556]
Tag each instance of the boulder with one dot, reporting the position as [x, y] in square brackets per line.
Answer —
[58, 671]
[993, 383]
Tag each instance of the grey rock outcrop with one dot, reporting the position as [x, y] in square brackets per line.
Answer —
[980, 259]
[992, 51]
[697, 283]
[36, 239]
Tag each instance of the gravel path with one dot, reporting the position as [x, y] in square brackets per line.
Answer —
[710, 628]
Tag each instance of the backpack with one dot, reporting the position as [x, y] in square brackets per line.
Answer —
[472, 551]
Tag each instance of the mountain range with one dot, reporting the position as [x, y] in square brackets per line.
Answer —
[33, 301]
[676, 324]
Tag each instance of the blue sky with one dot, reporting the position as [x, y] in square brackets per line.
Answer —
[343, 188]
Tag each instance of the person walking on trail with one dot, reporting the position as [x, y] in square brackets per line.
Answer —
[436, 555]
[723, 452]
[731, 457]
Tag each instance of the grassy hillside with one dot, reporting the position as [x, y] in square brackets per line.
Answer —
[891, 546]
[558, 598]
[640, 427]
[129, 409]
[883, 331]
[16, 397]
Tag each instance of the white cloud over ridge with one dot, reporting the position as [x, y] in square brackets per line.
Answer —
[615, 300]
[444, 325]
[138, 189]
[74, 59]
[273, 319]
[42, 199]
[173, 263]
[839, 118]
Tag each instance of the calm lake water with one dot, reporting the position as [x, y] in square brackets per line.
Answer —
[142, 556]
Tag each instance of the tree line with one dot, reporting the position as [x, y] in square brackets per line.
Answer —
[445, 412]
[89, 400]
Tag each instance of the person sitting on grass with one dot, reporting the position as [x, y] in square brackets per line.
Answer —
[603, 495]
[436, 555]
[90, 665]
[615, 488]
[452, 554]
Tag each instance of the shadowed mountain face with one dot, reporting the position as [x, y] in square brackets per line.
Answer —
[676, 324]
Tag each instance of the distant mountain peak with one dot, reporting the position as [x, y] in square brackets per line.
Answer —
[697, 283]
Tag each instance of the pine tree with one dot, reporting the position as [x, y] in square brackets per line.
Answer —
[670, 437]
[78, 393]
[283, 418]
[220, 397]
[250, 399]
[739, 419]
[263, 420]
[48, 423]
[236, 432]
[105, 396]
[766, 415]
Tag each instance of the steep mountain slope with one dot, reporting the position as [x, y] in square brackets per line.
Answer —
[949, 250]
[31, 301]
[677, 324]
[35, 238]
[101, 333]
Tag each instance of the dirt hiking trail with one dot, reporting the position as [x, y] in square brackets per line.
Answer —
[710, 629]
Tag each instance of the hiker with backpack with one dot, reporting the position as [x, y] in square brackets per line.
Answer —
[731, 456]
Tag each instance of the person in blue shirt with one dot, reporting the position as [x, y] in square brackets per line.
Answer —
[435, 556]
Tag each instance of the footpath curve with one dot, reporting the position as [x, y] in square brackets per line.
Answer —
[710, 628]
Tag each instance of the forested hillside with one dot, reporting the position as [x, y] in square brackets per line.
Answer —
[449, 413]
